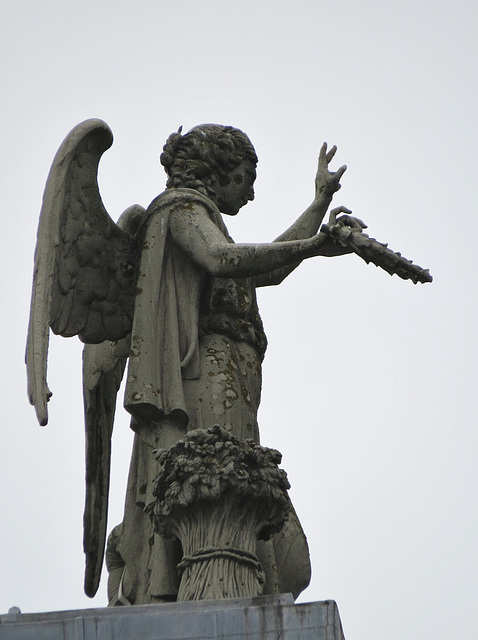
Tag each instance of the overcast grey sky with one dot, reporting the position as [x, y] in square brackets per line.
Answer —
[369, 381]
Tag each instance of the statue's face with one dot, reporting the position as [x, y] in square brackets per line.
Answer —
[238, 191]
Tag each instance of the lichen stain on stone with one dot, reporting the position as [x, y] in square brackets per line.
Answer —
[186, 207]
[246, 396]
[231, 397]
[150, 387]
[213, 357]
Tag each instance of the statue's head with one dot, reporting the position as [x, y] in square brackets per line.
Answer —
[216, 160]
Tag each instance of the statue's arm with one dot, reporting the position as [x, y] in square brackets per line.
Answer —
[326, 184]
[307, 225]
[201, 240]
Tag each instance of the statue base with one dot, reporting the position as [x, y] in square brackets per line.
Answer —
[218, 495]
[266, 618]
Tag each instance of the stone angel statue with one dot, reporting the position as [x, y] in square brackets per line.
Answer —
[167, 289]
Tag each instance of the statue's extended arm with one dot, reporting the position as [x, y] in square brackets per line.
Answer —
[307, 225]
[201, 240]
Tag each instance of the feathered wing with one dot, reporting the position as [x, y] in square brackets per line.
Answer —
[85, 266]
[103, 368]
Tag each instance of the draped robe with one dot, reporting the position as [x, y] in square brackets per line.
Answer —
[196, 350]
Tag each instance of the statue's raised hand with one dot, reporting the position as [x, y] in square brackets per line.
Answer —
[327, 182]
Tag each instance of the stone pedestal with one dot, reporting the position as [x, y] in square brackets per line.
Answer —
[265, 618]
[218, 495]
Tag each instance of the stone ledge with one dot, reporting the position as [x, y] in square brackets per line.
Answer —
[262, 618]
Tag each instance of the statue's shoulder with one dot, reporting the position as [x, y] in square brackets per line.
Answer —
[173, 202]
[182, 198]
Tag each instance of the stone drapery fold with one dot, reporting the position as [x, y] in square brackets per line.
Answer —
[164, 337]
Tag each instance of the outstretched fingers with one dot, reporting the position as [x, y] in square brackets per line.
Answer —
[330, 154]
[352, 221]
[340, 172]
[335, 212]
[346, 220]
[326, 181]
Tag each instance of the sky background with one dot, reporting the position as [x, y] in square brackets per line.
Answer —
[369, 381]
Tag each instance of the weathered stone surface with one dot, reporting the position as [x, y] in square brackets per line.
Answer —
[218, 495]
[168, 290]
[266, 618]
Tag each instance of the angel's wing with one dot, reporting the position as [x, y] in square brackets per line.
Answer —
[85, 266]
[103, 368]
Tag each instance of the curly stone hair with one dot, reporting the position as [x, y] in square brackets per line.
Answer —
[207, 153]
